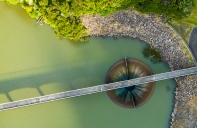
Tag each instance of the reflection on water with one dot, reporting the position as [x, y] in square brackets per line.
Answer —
[58, 65]
[67, 76]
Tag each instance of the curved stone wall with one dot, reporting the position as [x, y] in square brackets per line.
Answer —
[152, 30]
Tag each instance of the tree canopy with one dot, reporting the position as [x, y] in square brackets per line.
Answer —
[63, 15]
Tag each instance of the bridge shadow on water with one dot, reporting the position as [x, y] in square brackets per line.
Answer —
[71, 79]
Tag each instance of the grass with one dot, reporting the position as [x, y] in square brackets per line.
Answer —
[184, 29]
[192, 19]
[184, 26]
[181, 43]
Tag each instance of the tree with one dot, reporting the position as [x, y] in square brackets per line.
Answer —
[63, 15]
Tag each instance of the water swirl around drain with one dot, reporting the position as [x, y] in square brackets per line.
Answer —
[133, 96]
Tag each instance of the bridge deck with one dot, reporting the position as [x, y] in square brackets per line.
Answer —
[98, 88]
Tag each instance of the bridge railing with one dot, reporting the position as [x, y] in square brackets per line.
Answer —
[98, 88]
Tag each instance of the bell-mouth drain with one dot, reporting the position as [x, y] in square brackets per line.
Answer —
[132, 96]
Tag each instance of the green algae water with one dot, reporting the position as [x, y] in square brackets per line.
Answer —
[34, 63]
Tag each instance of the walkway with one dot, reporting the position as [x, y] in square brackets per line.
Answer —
[99, 88]
[193, 42]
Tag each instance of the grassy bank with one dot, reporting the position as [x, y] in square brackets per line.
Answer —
[184, 26]
[192, 19]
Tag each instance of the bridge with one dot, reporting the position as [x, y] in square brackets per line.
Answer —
[98, 88]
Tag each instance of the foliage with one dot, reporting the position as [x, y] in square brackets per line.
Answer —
[63, 15]
[103, 7]
[14, 2]
[185, 6]
[173, 8]
[192, 19]
[152, 54]
[58, 16]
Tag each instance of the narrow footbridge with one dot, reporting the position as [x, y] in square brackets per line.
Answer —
[98, 88]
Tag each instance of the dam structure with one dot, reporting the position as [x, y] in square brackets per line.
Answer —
[98, 88]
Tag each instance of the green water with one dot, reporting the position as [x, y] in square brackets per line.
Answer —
[34, 62]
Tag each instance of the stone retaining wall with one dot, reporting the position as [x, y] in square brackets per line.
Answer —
[184, 43]
[152, 30]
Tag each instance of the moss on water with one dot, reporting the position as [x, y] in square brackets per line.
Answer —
[152, 54]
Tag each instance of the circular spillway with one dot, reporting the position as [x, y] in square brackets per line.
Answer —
[132, 96]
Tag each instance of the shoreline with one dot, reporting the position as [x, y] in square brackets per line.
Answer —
[151, 30]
